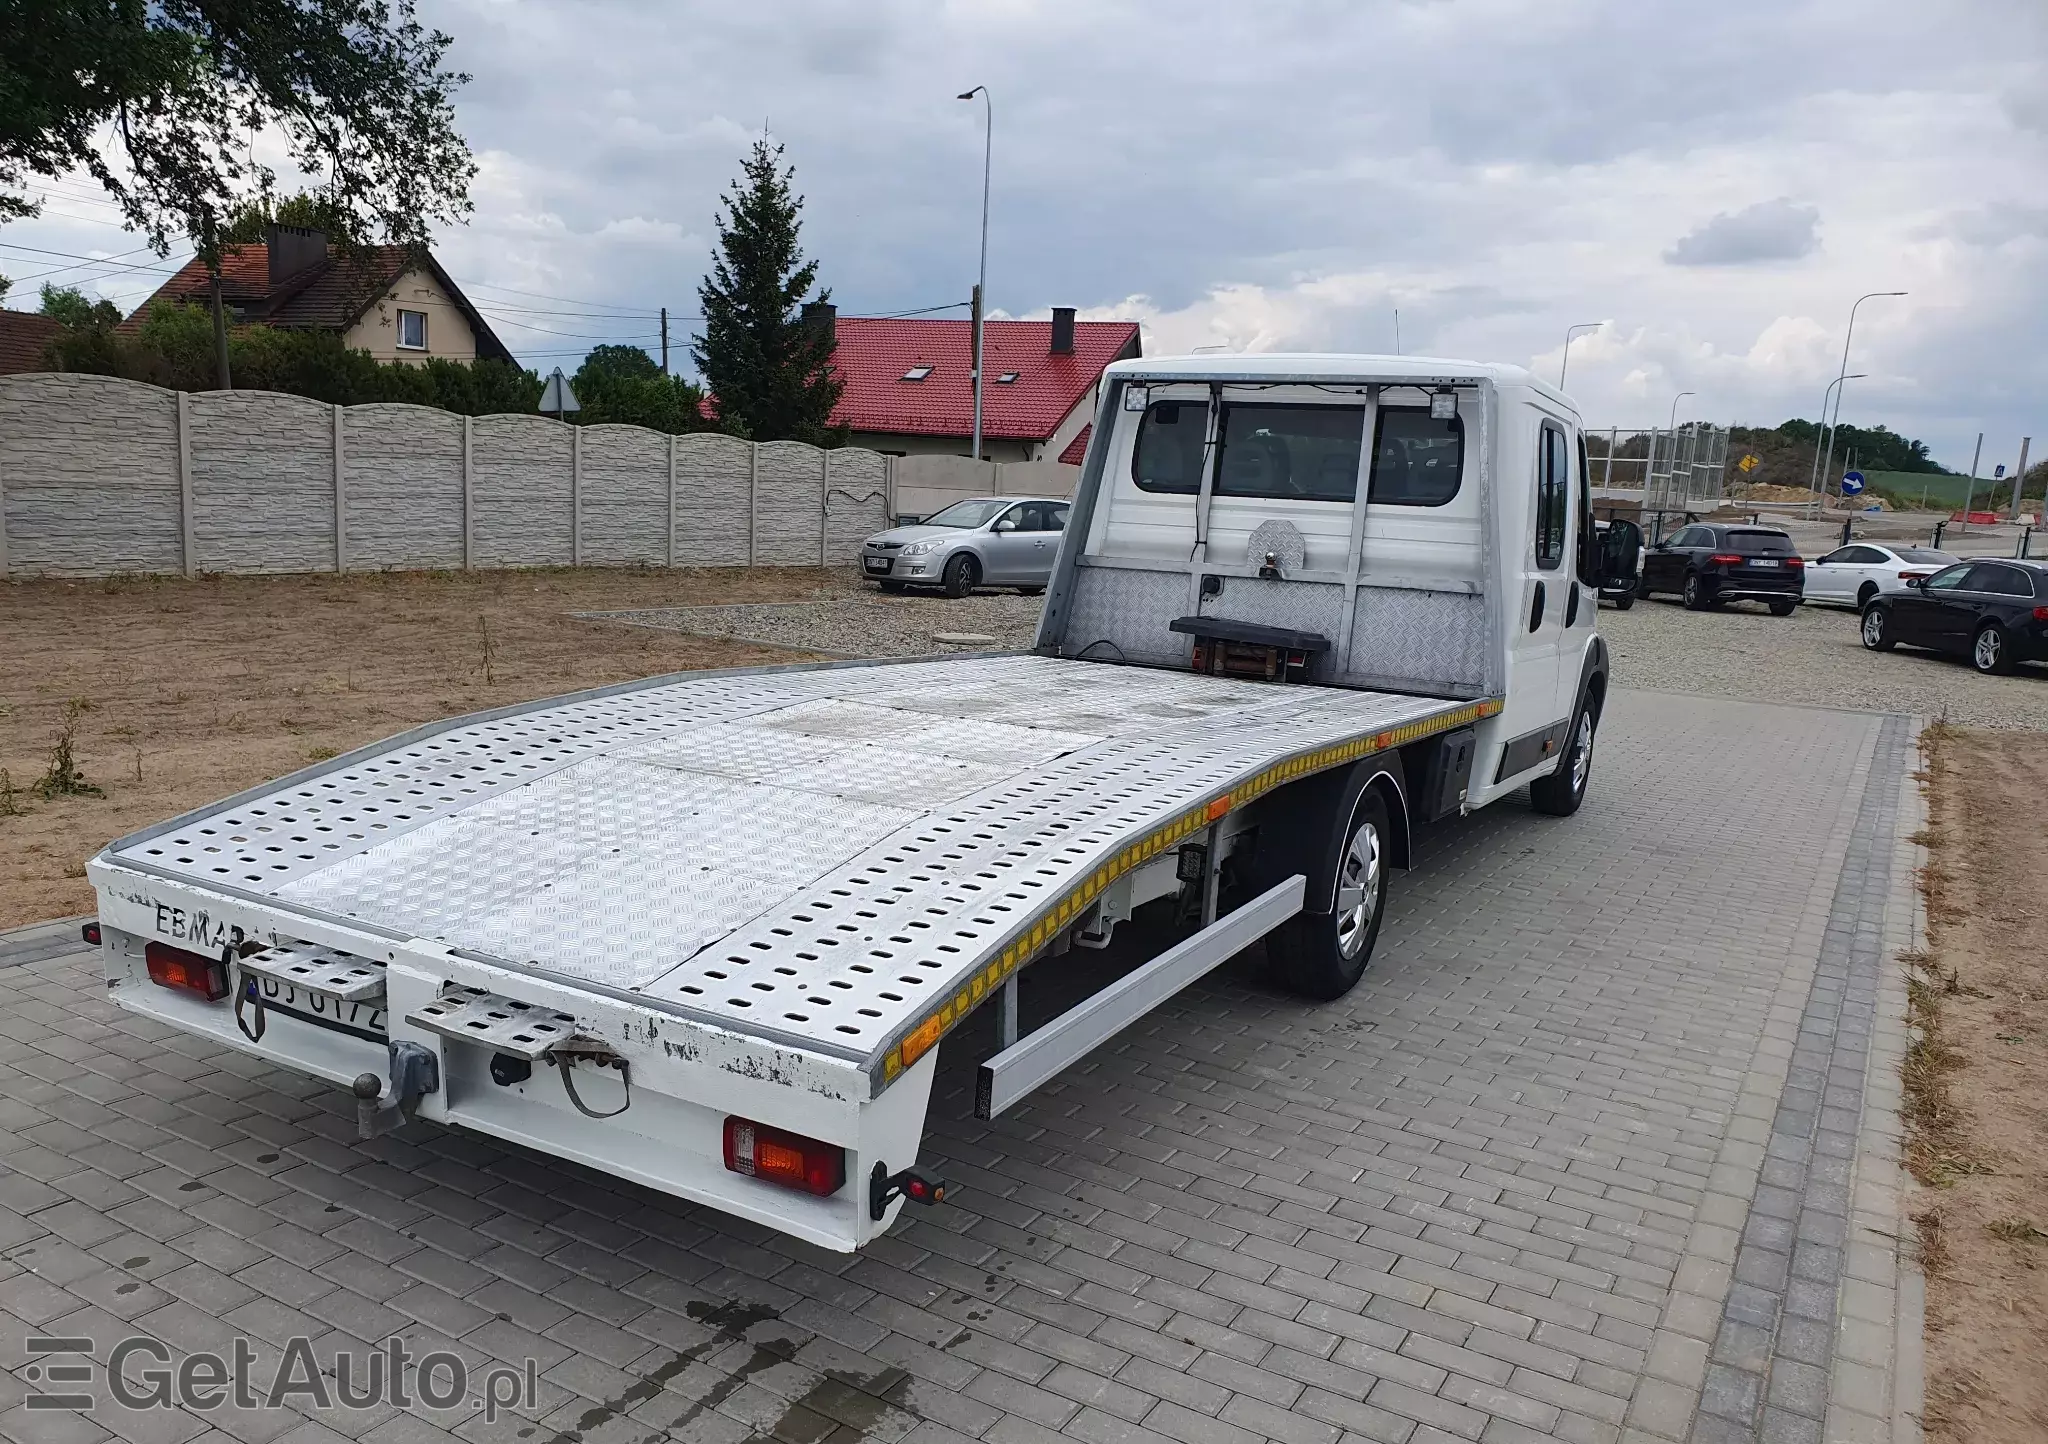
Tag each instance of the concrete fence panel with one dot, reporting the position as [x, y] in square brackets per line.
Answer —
[714, 496]
[789, 504]
[262, 481]
[522, 483]
[856, 502]
[402, 487]
[91, 479]
[625, 496]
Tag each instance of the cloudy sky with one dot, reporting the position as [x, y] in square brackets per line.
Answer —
[1715, 182]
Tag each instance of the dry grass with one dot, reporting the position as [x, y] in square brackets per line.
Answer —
[129, 700]
[1976, 1087]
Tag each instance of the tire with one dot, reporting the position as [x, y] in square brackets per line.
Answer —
[961, 573]
[1562, 791]
[1322, 956]
[892, 588]
[1623, 602]
[1695, 595]
[1991, 650]
[1865, 595]
[1031, 591]
[1877, 630]
[1783, 609]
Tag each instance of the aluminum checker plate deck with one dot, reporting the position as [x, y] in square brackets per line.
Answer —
[845, 857]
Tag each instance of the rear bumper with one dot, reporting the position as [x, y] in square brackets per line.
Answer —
[1775, 589]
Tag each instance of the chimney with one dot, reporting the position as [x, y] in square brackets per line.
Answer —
[292, 249]
[825, 317]
[1063, 330]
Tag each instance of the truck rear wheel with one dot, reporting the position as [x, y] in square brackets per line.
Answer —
[1323, 955]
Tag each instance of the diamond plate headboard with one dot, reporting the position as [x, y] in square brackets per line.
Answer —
[1128, 609]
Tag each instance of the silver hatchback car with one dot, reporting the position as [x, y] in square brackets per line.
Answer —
[996, 541]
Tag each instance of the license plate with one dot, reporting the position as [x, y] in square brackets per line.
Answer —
[876, 564]
[1762, 562]
[362, 1019]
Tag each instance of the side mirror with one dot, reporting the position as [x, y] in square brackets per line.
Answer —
[1916, 583]
[1004, 525]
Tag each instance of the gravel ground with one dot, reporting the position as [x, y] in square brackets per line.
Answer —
[859, 622]
[1811, 657]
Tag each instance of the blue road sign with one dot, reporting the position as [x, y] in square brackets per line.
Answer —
[1852, 483]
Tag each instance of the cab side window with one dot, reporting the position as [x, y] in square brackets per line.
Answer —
[1588, 538]
[1553, 491]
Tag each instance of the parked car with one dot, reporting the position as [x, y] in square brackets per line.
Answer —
[1852, 575]
[1621, 553]
[1993, 612]
[1707, 564]
[1002, 541]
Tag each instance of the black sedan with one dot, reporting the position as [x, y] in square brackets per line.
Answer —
[1710, 564]
[1993, 612]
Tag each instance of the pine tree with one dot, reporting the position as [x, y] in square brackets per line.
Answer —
[769, 370]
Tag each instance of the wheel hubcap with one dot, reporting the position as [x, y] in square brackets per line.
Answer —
[1358, 889]
[1987, 649]
[1582, 752]
[1873, 628]
[1692, 589]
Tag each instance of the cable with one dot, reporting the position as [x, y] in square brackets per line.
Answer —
[923, 311]
[542, 296]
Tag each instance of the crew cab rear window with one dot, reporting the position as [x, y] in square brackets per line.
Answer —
[1759, 543]
[1416, 461]
[1298, 452]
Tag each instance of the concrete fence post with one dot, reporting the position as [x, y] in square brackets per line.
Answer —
[671, 500]
[824, 503]
[575, 496]
[187, 552]
[3, 520]
[468, 500]
[753, 500]
[340, 490]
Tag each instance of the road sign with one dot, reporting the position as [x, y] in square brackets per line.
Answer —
[1852, 483]
[1998, 472]
[1749, 463]
[556, 395]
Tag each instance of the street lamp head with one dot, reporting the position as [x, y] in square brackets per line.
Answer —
[970, 94]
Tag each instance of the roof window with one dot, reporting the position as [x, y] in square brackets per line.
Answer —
[917, 373]
[1006, 378]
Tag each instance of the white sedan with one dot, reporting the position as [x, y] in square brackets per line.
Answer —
[1850, 576]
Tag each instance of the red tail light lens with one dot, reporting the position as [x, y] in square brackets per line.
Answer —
[1795, 561]
[789, 1159]
[1725, 559]
[193, 973]
[2041, 614]
[1913, 576]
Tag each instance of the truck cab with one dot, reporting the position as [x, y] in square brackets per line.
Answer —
[1423, 526]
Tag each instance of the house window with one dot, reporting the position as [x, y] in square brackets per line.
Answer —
[917, 373]
[412, 330]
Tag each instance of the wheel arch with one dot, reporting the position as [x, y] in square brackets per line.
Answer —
[1299, 825]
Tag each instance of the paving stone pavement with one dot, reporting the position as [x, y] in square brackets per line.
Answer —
[1603, 1149]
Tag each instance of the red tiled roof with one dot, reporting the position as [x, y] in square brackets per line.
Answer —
[23, 335]
[329, 295]
[873, 354]
[1078, 447]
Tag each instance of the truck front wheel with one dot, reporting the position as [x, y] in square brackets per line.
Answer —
[1562, 791]
[1323, 955]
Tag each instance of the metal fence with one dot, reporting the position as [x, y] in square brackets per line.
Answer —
[1675, 470]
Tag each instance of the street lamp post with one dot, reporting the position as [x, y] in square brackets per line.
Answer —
[1822, 462]
[981, 279]
[1814, 483]
[1673, 427]
[1571, 331]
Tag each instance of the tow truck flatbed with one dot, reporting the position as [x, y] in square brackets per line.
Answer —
[707, 931]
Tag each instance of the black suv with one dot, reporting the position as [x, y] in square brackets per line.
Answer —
[1994, 612]
[1709, 564]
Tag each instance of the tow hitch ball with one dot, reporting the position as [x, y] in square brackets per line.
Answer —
[919, 1185]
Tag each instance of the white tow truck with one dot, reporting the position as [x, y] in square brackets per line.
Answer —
[707, 931]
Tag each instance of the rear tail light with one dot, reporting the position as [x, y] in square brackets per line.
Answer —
[789, 1159]
[1914, 576]
[91, 933]
[1795, 561]
[1726, 560]
[193, 973]
[2041, 614]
